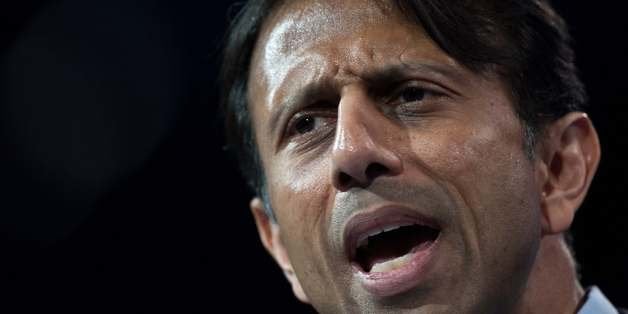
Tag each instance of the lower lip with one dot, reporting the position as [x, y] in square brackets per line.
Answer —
[408, 276]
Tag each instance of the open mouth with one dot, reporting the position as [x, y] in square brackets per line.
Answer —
[392, 247]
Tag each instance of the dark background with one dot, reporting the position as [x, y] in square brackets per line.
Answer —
[116, 196]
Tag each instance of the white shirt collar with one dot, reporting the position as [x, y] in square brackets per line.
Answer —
[596, 303]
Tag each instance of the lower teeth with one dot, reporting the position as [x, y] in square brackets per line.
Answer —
[391, 264]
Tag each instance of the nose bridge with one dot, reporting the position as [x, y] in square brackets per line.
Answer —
[353, 124]
[361, 152]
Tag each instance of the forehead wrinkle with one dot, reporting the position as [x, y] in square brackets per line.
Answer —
[282, 53]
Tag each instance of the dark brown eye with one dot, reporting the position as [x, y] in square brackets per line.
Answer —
[412, 94]
[304, 124]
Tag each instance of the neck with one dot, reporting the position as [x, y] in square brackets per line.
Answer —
[553, 285]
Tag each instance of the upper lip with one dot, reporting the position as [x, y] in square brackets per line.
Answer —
[373, 221]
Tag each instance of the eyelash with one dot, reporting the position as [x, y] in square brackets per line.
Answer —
[427, 91]
[293, 124]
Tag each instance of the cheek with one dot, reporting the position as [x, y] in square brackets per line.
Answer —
[475, 152]
[485, 166]
[491, 180]
[298, 189]
[299, 195]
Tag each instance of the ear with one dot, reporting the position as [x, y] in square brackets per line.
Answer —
[270, 235]
[568, 159]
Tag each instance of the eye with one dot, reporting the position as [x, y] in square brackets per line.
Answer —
[304, 124]
[412, 94]
[311, 128]
[416, 99]
[310, 122]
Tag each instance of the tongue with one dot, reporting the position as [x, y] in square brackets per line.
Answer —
[391, 264]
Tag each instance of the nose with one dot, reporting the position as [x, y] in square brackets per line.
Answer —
[360, 153]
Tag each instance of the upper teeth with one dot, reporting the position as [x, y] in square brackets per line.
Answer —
[364, 239]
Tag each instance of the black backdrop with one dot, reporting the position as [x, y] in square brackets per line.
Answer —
[115, 194]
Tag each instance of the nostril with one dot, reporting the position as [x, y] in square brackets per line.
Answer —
[344, 179]
[375, 170]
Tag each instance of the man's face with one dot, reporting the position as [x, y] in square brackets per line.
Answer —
[364, 125]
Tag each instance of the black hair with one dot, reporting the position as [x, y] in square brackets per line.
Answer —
[523, 41]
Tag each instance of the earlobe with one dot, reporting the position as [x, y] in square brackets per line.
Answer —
[270, 236]
[570, 157]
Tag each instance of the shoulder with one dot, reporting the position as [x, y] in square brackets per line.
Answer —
[595, 302]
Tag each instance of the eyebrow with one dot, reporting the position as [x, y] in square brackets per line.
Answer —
[377, 79]
[392, 72]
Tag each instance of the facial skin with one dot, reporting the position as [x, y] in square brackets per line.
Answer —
[356, 109]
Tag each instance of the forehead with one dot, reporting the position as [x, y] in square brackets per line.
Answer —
[305, 40]
[298, 22]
